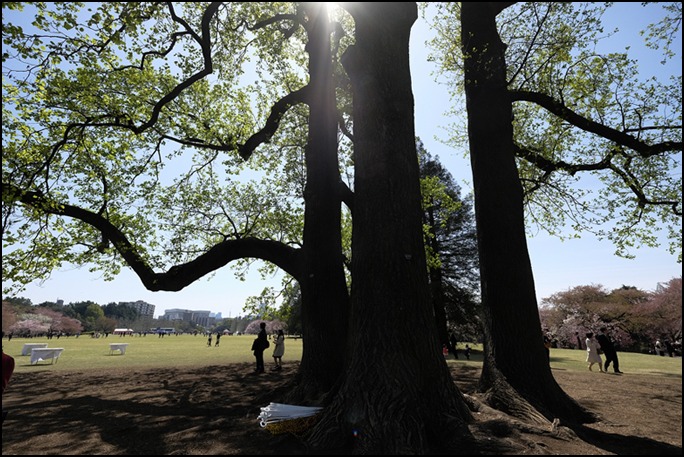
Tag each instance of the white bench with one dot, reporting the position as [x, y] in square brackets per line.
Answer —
[121, 347]
[26, 350]
[38, 354]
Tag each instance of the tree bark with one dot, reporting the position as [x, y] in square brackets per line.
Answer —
[325, 298]
[515, 359]
[396, 395]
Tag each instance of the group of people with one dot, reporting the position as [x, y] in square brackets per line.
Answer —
[261, 344]
[664, 348]
[602, 343]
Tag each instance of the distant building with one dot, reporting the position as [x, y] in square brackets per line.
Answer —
[202, 318]
[144, 309]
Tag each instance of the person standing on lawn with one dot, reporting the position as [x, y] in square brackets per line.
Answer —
[259, 346]
[279, 350]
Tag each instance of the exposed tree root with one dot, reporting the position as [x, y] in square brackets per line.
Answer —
[498, 432]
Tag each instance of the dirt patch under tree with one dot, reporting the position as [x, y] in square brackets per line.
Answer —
[213, 410]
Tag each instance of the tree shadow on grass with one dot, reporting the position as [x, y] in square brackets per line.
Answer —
[625, 445]
[213, 410]
[208, 410]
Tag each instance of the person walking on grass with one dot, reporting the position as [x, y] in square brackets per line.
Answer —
[608, 349]
[593, 355]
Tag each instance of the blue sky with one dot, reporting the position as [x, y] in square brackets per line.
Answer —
[557, 265]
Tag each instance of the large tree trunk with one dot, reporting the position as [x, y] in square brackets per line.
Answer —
[325, 299]
[396, 395]
[515, 363]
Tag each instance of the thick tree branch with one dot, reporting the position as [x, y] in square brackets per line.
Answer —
[346, 195]
[204, 41]
[121, 120]
[178, 276]
[273, 122]
[547, 165]
[631, 181]
[287, 33]
[559, 109]
[621, 138]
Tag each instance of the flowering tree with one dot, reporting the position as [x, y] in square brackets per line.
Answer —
[60, 322]
[634, 318]
[31, 324]
[661, 315]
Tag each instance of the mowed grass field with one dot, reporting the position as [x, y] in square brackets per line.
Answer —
[86, 353]
[575, 360]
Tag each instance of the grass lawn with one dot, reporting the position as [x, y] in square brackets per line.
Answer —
[86, 353]
[575, 360]
[630, 362]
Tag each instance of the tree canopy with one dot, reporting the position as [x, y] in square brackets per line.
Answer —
[110, 119]
[597, 136]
